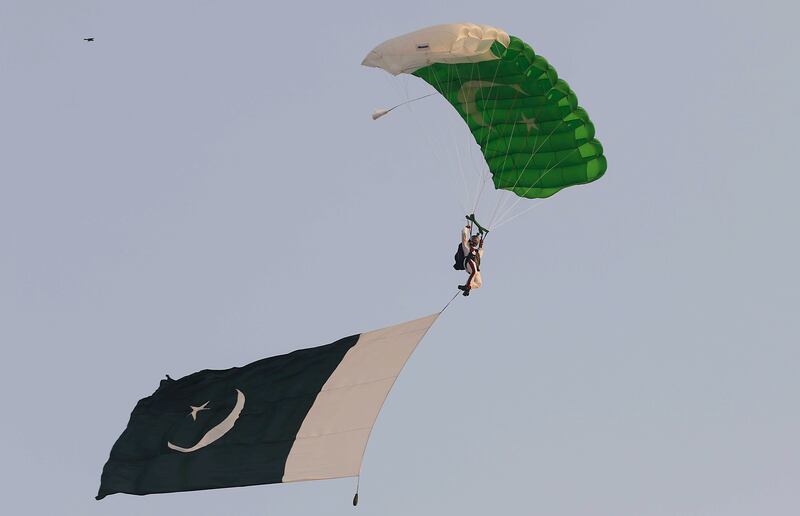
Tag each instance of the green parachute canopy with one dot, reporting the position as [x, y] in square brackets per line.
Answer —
[535, 137]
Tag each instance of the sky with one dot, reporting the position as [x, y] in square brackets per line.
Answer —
[203, 186]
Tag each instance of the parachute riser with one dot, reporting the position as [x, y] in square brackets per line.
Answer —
[482, 231]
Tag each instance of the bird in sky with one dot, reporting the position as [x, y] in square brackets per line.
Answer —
[88, 39]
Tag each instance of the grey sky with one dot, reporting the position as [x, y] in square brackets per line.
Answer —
[203, 186]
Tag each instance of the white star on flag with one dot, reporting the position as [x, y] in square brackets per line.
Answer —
[195, 410]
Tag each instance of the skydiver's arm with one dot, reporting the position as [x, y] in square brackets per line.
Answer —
[465, 239]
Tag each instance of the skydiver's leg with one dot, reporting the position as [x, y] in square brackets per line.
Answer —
[469, 281]
[472, 268]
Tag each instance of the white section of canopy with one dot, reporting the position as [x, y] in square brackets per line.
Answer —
[334, 434]
[450, 43]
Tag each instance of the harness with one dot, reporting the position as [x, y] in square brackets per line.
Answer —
[474, 256]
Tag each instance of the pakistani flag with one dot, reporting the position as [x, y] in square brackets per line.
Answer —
[306, 415]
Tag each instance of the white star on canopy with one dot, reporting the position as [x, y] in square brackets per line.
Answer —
[530, 123]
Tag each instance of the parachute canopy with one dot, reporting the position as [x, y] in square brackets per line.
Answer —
[527, 122]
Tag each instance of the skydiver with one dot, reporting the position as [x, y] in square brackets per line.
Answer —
[472, 248]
